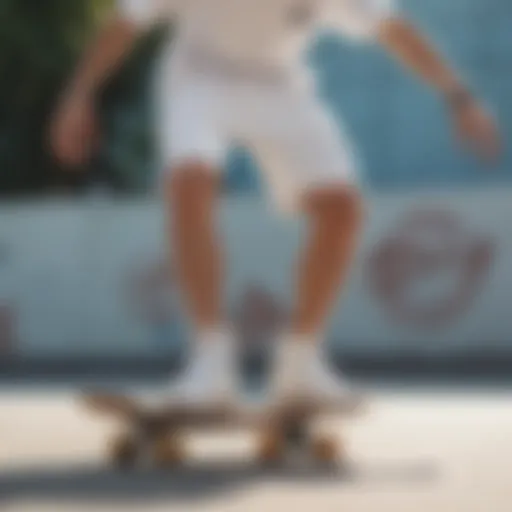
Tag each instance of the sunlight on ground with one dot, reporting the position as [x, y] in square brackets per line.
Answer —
[423, 452]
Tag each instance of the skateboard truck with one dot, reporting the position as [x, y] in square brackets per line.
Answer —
[156, 437]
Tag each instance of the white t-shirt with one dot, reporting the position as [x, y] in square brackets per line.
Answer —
[264, 32]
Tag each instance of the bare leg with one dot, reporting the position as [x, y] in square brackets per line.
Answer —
[191, 194]
[334, 224]
[334, 221]
[210, 377]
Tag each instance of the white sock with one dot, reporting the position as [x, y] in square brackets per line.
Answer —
[294, 357]
[213, 335]
[297, 346]
[215, 343]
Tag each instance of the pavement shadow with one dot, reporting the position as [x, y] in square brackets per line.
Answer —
[194, 483]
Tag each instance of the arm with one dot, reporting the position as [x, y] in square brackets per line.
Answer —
[377, 20]
[103, 58]
[475, 127]
[73, 130]
[402, 40]
[116, 39]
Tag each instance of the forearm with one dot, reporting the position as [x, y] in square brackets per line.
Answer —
[473, 124]
[104, 57]
[405, 43]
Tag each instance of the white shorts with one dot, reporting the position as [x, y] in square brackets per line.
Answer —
[294, 139]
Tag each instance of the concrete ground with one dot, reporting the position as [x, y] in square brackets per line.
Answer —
[418, 451]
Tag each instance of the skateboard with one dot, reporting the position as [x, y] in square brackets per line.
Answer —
[155, 437]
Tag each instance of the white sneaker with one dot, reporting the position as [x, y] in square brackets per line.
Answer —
[326, 385]
[210, 379]
[301, 374]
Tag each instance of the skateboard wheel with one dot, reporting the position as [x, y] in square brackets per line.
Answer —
[168, 452]
[124, 452]
[272, 449]
[325, 449]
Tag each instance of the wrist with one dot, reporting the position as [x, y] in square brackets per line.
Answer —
[458, 97]
[81, 91]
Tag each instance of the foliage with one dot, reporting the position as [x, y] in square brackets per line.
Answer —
[40, 42]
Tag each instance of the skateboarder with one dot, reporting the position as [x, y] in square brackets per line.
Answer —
[233, 75]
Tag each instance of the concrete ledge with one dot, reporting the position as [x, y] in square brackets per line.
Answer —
[477, 364]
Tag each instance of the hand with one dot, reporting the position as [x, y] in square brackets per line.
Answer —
[73, 131]
[477, 129]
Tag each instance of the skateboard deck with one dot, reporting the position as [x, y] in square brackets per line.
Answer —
[155, 435]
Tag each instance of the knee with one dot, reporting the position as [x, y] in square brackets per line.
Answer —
[190, 187]
[336, 208]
